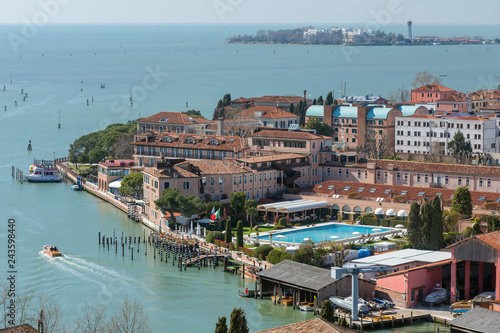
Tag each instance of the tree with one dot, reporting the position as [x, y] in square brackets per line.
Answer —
[238, 322]
[121, 148]
[251, 210]
[321, 128]
[92, 320]
[308, 254]
[237, 203]
[326, 312]
[339, 254]
[450, 220]
[229, 232]
[320, 100]
[239, 235]
[436, 232]
[168, 202]
[425, 230]
[193, 113]
[374, 148]
[190, 205]
[314, 101]
[415, 226]
[52, 315]
[292, 108]
[264, 249]
[278, 255]
[219, 105]
[329, 98]
[132, 184]
[462, 202]
[226, 100]
[423, 78]
[221, 326]
[459, 148]
[130, 318]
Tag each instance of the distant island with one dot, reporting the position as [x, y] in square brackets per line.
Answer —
[349, 36]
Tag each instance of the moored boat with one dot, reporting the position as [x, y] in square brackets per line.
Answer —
[52, 251]
[346, 304]
[247, 293]
[438, 295]
[306, 306]
[42, 171]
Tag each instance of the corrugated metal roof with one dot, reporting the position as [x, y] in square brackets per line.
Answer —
[345, 112]
[315, 111]
[297, 274]
[478, 320]
[400, 257]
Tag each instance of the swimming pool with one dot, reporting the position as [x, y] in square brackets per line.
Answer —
[324, 233]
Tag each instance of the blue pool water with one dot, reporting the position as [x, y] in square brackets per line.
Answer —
[323, 233]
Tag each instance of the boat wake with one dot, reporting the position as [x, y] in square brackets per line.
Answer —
[108, 279]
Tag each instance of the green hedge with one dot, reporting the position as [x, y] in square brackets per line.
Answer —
[262, 251]
[370, 221]
[246, 251]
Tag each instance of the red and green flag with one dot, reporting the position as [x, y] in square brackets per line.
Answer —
[215, 215]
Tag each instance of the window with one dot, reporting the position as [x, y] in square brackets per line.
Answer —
[378, 174]
[446, 180]
[398, 176]
[386, 175]
[346, 173]
[212, 181]
[481, 182]
[406, 176]
[330, 187]
[328, 172]
[361, 189]
[366, 174]
[186, 185]
[372, 190]
[359, 173]
[221, 181]
[381, 123]
[459, 180]
[347, 188]
[340, 173]
[403, 192]
[320, 186]
[481, 198]
[234, 180]
[488, 182]
[420, 194]
[467, 181]
[418, 178]
[426, 178]
[166, 185]
[387, 191]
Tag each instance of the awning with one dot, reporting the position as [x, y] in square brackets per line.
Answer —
[116, 183]
[204, 221]
[391, 212]
[379, 211]
[402, 213]
[293, 206]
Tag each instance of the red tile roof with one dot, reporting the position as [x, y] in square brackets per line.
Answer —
[270, 158]
[278, 99]
[493, 107]
[453, 98]
[181, 140]
[423, 116]
[117, 163]
[438, 167]
[472, 118]
[24, 328]
[267, 112]
[491, 238]
[219, 167]
[285, 135]
[169, 173]
[176, 118]
[432, 88]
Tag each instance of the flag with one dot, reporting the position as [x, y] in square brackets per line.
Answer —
[214, 216]
[213, 211]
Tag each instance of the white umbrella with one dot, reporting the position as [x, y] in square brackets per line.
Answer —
[399, 226]
[307, 239]
[376, 229]
[356, 233]
[280, 236]
[334, 237]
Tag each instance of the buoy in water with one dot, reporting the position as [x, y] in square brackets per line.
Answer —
[15, 103]
[87, 102]
[29, 145]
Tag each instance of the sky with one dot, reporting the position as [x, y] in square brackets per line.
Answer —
[331, 12]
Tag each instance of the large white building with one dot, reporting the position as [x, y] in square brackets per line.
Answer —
[431, 134]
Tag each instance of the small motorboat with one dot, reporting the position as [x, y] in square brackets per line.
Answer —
[346, 304]
[247, 293]
[306, 306]
[384, 303]
[437, 296]
[52, 251]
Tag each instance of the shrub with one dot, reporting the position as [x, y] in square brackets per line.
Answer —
[449, 238]
[398, 198]
[218, 235]
[298, 224]
[490, 205]
[353, 195]
[246, 251]
[210, 237]
[262, 250]
[278, 227]
[448, 202]
[282, 221]
[277, 255]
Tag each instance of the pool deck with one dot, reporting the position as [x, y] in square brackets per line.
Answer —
[355, 239]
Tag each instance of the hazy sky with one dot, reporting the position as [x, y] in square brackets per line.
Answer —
[381, 12]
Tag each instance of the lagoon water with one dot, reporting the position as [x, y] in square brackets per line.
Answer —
[61, 67]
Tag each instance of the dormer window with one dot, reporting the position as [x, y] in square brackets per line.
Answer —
[163, 120]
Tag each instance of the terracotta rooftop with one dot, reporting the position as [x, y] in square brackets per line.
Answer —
[315, 325]
[285, 135]
[423, 116]
[186, 140]
[484, 94]
[374, 191]
[267, 112]
[170, 172]
[472, 118]
[453, 98]
[24, 328]
[493, 107]
[432, 88]
[438, 167]
[491, 238]
[219, 167]
[278, 99]
[270, 158]
[117, 163]
[175, 118]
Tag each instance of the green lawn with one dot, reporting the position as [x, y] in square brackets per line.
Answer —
[246, 230]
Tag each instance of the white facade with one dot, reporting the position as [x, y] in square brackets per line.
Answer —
[431, 135]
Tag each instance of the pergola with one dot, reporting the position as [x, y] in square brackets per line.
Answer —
[294, 206]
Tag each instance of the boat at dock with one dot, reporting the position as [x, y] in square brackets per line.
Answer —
[43, 171]
[438, 295]
[247, 293]
[306, 306]
[346, 304]
[51, 251]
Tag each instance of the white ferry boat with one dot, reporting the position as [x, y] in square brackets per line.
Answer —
[43, 172]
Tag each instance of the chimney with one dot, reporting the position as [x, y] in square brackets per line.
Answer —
[305, 94]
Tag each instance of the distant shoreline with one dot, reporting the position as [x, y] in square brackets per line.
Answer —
[357, 45]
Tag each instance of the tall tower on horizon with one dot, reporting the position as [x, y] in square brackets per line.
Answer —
[410, 35]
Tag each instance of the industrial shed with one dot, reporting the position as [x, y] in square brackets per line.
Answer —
[308, 283]
[476, 320]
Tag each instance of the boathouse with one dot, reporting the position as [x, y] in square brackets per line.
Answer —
[306, 283]
[475, 266]
[476, 320]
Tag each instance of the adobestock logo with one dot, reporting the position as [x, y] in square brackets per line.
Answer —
[30, 27]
